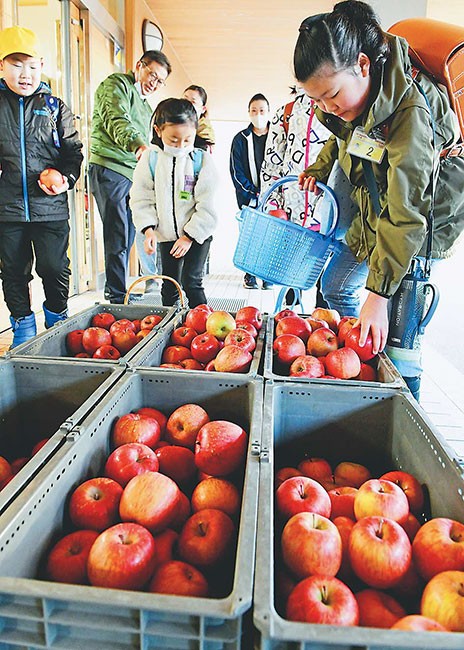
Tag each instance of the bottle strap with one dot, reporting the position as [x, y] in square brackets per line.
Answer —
[53, 110]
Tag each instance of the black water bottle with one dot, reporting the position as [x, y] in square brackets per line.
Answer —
[411, 309]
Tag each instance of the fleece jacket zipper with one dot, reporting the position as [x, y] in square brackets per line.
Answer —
[174, 197]
[22, 148]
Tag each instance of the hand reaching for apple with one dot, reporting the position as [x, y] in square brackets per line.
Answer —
[373, 318]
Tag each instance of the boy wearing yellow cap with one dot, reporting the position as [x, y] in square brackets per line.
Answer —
[38, 133]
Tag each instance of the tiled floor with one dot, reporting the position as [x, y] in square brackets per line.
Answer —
[442, 394]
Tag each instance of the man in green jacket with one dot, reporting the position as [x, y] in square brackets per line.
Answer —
[120, 134]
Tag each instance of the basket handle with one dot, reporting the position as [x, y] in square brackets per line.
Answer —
[328, 191]
[144, 278]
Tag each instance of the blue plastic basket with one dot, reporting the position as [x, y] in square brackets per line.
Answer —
[283, 252]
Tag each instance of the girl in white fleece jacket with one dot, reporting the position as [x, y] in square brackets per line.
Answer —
[172, 200]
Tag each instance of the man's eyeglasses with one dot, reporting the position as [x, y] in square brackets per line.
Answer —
[153, 76]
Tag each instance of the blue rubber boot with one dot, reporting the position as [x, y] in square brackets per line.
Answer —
[52, 317]
[23, 329]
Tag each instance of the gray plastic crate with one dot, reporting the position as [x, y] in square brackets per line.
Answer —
[51, 344]
[39, 399]
[151, 354]
[39, 614]
[382, 430]
[388, 375]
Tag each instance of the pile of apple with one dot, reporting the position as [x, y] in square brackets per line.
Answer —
[353, 550]
[9, 469]
[108, 338]
[163, 515]
[322, 345]
[214, 340]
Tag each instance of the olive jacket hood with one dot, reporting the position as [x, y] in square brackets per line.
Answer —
[390, 239]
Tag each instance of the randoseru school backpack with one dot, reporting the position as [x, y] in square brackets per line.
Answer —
[437, 49]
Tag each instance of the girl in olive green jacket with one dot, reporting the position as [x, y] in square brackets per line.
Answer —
[360, 79]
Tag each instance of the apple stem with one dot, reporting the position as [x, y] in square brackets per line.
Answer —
[461, 589]
[324, 594]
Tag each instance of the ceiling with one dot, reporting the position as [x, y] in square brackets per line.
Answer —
[236, 48]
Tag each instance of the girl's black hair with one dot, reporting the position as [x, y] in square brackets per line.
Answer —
[201, 91]
[173, 111]
[259, 97]
[337, 39]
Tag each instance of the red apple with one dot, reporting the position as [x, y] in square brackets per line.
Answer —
[94, 504]
[74, 342]
[350, 473]
[150, 500]
[216, 493]
[206, 538]
[17, 464]
[183, 512]
[179, 579]
[38, 446]
[242, 339]
[175, 353]
[345, 526]
[51, 177]
[250, 314]
[175, 366]
[232, 359]
[352, 341]
[133, 427]
[380, 551]
[165, 543]
[128, 461]
[311, 545]
[418, 623]
[106, 352]
[343, 363]
[150, 321]
[342, 500]
[137, 323]
[284, 584]
[321, 342]
[6, 470]
[287, 347]
[248, 327]
[331, 316]
[210, 367]
[439, 546]
[411, 526]
[307, 366]
[316, 323]
[204, 347]
[191, 364]
[294, 325]
[322, 599]
[177, 462]
[378, 609]
[141, 334]
[205, 307]
[159, 416]
[122, 557]
[381, 498]
[301, 494]
[443, 600]
[196, 319]
[103, 319]
[367, 373]
[122, 323]
[410, 486]
[315, 468]
[283, 313]
[184, 424]
[82, 355]
[94, 337]
[124, 339]
[183, 336]
[345, 325]
[220, 323]
[279, 213]
[220, 447]
[67, 560]
[283, 474]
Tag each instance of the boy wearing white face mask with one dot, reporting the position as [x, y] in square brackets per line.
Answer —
[246, 158]
[172, 200]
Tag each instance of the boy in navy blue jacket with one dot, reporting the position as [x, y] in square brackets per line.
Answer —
[38, 133]
[246, 158]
